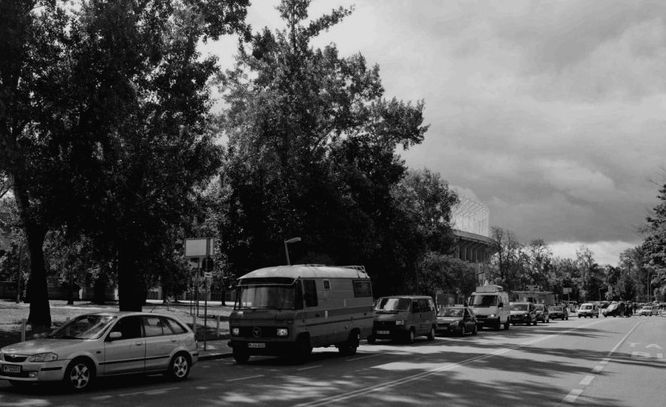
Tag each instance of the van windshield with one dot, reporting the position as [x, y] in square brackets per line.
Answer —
[479, 300]
[392, 304]
[266, 297]
[518, 307]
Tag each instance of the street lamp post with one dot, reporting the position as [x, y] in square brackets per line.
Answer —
[286, 248]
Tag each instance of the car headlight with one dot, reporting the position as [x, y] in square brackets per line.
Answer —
[492, 316]
[282, 332]
[235, 331]
[43, 357]
[400, 322]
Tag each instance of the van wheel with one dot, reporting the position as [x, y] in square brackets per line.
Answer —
[349, 348]
[411, 336]
[475, 331]
[241, 356]
[507, 324]
[303, 349]
[431, 334]
[463, 331]
[372, 340]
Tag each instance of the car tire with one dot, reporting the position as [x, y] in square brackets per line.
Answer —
[349, 348]
[79, 374]
[431, 334]
[180, 366]
[410, 336]
[241, 356]
[475, 331]
[507, 324]
[371, 340]
[303, 349]
[463, 331]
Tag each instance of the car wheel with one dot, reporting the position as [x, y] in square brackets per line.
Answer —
[303, 349]
[431, 334]
[179, 367]
[372, 340]
[79, 374]
[411, 336]
[535, 322]
[463, 331]
[241, 356]
[475, 331]
[349, 348]
[507, 324]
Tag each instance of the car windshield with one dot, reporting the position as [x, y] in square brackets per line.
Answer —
[266, 297]
[479, 300]
[518, 307]
[393, 304]
[83, 327]
[450, 312]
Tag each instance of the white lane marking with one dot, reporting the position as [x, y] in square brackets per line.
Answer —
[244, 378]
[309, 368]
[108, 396]
[573, 395]
[363, 357]
[598, 368]
[148, 392]
[587, 380]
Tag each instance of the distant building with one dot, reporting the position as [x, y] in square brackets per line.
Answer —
[471, 225]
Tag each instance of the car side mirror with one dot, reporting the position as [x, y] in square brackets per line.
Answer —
[114, 335]
[501, 305]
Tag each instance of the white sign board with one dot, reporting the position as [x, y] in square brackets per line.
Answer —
[566, 290]
[199, 247]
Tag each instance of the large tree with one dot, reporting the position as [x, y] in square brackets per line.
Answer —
[654, 245]
[312, 153]
[104, 124]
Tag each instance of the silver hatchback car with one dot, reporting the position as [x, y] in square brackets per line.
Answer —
[102, 344]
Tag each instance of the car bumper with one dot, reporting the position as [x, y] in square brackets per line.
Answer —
[34, 372]
[444, 329]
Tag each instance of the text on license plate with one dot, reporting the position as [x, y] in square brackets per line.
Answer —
[256, 345]
[383, 332]
[11, 369]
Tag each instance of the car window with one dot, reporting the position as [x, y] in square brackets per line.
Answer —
[174, 326]
[129, 327]
[310, 293]
[416, 306]
[153, 326]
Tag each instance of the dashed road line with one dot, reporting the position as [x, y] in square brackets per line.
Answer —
[244, 378]
[573, 395]
[587, 380]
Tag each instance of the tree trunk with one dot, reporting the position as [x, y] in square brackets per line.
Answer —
[40, 311]
[131, 293]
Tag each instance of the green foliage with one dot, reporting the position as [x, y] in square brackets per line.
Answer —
[442, 272]
[312, 153]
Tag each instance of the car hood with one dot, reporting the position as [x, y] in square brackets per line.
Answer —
[59, 346]
[449, 319]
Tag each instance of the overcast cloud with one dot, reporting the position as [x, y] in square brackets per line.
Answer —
[551, 112]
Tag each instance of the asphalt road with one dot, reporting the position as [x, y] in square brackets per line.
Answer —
[588, 362]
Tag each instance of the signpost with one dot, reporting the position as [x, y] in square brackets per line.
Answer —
[201, 249]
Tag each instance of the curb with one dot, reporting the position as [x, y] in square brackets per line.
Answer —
[212, 356]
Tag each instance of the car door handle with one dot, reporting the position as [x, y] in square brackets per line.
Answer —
[139, 343]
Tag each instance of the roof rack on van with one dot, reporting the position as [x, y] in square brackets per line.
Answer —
[355, 267]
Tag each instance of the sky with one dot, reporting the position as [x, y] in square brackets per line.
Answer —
[549, 112]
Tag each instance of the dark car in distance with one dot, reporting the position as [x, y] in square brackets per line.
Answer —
[458, 320]
[523, 313]
[558, 312]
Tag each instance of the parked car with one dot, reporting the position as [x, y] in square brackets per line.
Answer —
[102, 344]
[404, 317]
[615, 309]
[523, 313]
[588, 309]
[648, 310]
[542, 313]
[456, 320]
[558, 312]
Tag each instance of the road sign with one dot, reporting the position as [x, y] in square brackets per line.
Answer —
[566, 290]
[199, 247]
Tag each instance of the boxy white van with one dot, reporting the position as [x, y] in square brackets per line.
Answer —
[288, 310]
[491, 306]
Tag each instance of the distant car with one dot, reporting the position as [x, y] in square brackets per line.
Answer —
[523, 313]
[542, 313]
[458, 320]
[102, 344]
[404, 317]
[588, 309]
[558, 312]
[615, 309]
[648, 310]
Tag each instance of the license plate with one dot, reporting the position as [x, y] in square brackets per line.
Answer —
[254, 345]
[383, 332]
[11, 369]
